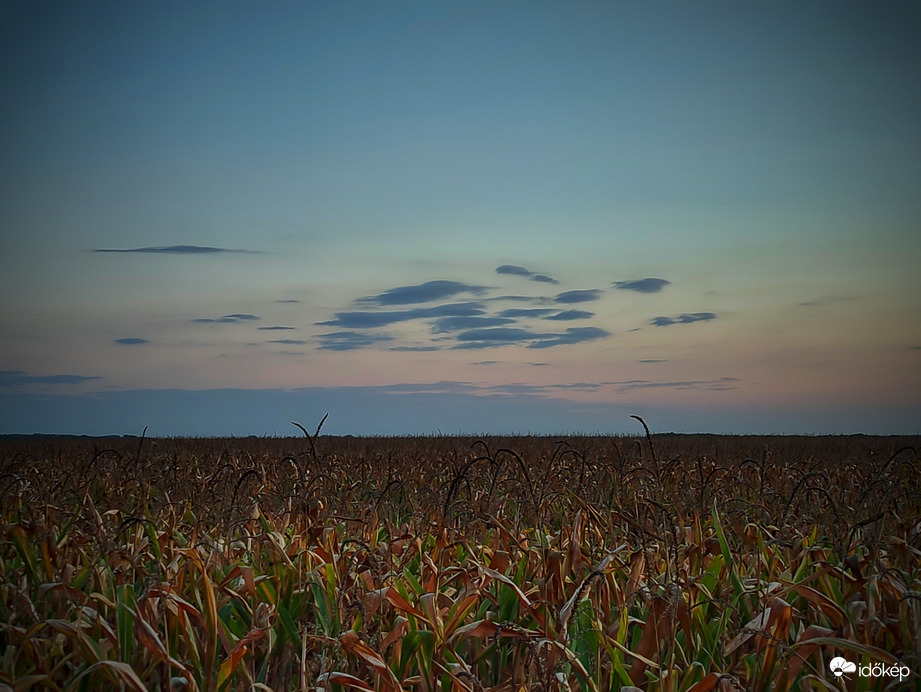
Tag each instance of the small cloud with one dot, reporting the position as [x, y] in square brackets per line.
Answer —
[131, 340]
[653, 360]
[685, 318]
[286, 341]
[513, 269]
[10, 379]
[348, 341]
[422, 293]
[290, 300]
[521, 271]
[567, 315]
[648, 285]
[485, 362]
[275, 328]
[538, 365]
[234, 318]
[578, 296]
[573, 335]
[179, 250]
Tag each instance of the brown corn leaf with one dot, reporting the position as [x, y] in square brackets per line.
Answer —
[344, 679]
[352, 644]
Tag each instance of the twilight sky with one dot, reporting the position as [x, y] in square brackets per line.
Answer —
[460, 217]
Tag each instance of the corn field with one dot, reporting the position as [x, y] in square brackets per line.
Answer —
[664, 563]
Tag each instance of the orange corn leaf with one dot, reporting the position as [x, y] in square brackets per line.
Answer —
[656, 629]
[398, 601]
[708, 684]
[487, 628]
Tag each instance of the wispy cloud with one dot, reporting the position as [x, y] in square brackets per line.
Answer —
[234, 318]
[131, 341]
[368, 320]
[647, 285]
[582, 296]
[573, 335]
[11, 379]
[275, 328]
[567, 315]
[289, 300]
[286, 341]
[179, 250]
[653, 360]
[720, 384]
[349, 341]
[826, 300]
[455, 324]
[422, 293]
[685, 318]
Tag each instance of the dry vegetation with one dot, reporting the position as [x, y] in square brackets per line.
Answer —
[661, 563]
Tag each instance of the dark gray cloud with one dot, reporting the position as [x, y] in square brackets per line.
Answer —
[442, 387]
[235, 318]
[567, 315]
[513, 269]
[526, 312]
[647, 285]
[290, 300]
[275, 328]
[179, 250]
[485, 362]
[582, 296]
[411, 349]
[685, 318]
[11, 379]
[422, 293]
[573, 335]
[131, 341]
[653, 360]
[368, 320]
[543, 278]
[485, 338]
[500, 335]
[286, 341]
[455, 324]
[720, 384]
[349, 341]
[826, 300]
[522, 271]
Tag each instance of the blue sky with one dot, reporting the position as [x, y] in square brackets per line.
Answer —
[460, 217]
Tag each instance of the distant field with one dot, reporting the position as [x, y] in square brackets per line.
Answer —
[665, 563]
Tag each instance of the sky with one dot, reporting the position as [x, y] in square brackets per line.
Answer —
[460, 217]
